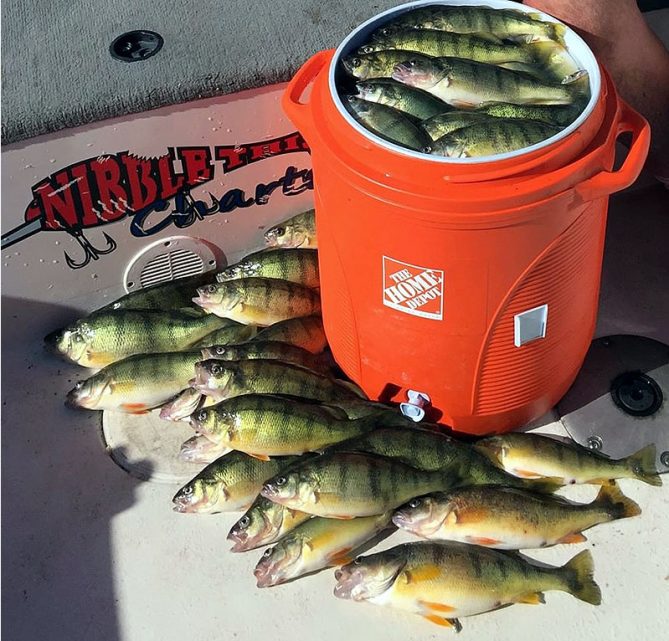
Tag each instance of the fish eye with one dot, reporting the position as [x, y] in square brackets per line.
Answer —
[211, 289]
[187, 491]
[280, 231]
[415, 503]
[244, 521]
[366, 49]
[267, 553]
[79, 385]
[77, 338]
[220, 350]
[427, 149]
[216, 369]
[355, 62]
[358, 560]
[412, 63]
[202, 415]
[281, 480]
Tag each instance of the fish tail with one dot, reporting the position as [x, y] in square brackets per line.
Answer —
[642, 465]
[578, 575]
[559, 31]
[554, 30]
[619, 506]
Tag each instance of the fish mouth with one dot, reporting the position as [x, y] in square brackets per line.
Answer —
[271, 238]
[203, 380]
[402, 520]
[402, 72]
[182, 506]
[240, 540]
[348, 581]
[201, 301]
[263, 574]
[51, 342]
[270, 491]
[77, 398]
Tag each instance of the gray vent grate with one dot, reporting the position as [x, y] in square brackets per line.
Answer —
[170, 265]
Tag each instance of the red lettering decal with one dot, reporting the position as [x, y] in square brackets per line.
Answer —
[232, 157]
[87, 211]
[170, 181]
[112, 202]
[266, 149]
[55, 197]
[295, 142]
[142, 186]
[197, 164]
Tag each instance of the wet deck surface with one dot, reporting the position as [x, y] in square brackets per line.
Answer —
[91, 553]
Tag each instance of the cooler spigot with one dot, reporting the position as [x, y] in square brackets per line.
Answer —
[413, 408]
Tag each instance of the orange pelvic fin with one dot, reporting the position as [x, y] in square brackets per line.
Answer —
[135, 408]
[436, 607]
[526, 474]
[482, 540]
[448, 623]
[533, 598]
[260, 457]
[575, 537]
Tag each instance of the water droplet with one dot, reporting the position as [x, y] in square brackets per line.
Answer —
[57, 242]
[41, 260]
[214, 128]
[28, 167]
[55, 261]
[17, 253]
[229, 130]
[210, 119]
[25, 264]
[50, 287]
[52, 160]
[94, 276]
[6, 264]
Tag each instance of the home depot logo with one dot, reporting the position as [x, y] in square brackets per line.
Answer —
[413, 290]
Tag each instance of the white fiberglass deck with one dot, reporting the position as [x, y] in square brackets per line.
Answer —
[93, 554]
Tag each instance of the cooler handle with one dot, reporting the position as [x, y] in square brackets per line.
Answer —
[300, 112]
[607, 182]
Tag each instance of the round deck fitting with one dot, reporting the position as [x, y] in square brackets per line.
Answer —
[619, 401]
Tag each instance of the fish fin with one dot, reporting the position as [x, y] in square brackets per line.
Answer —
[342, 557]
[427, 572]
[260, 457]
[616, 503]
[447, 623]
[482, 540]
[525, 474]
[135, 408]
[341, 517]
[436, 607]
[642, 465]
[580, 582]
[462, 104]
[488, 36]
[532, 598]
[559, 31]
[574, 537]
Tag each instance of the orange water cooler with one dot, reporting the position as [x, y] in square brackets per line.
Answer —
[474, 283]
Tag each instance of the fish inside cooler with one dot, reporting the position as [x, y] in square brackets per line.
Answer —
[320, 472]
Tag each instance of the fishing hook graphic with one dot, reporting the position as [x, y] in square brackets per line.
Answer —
[90, 252]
